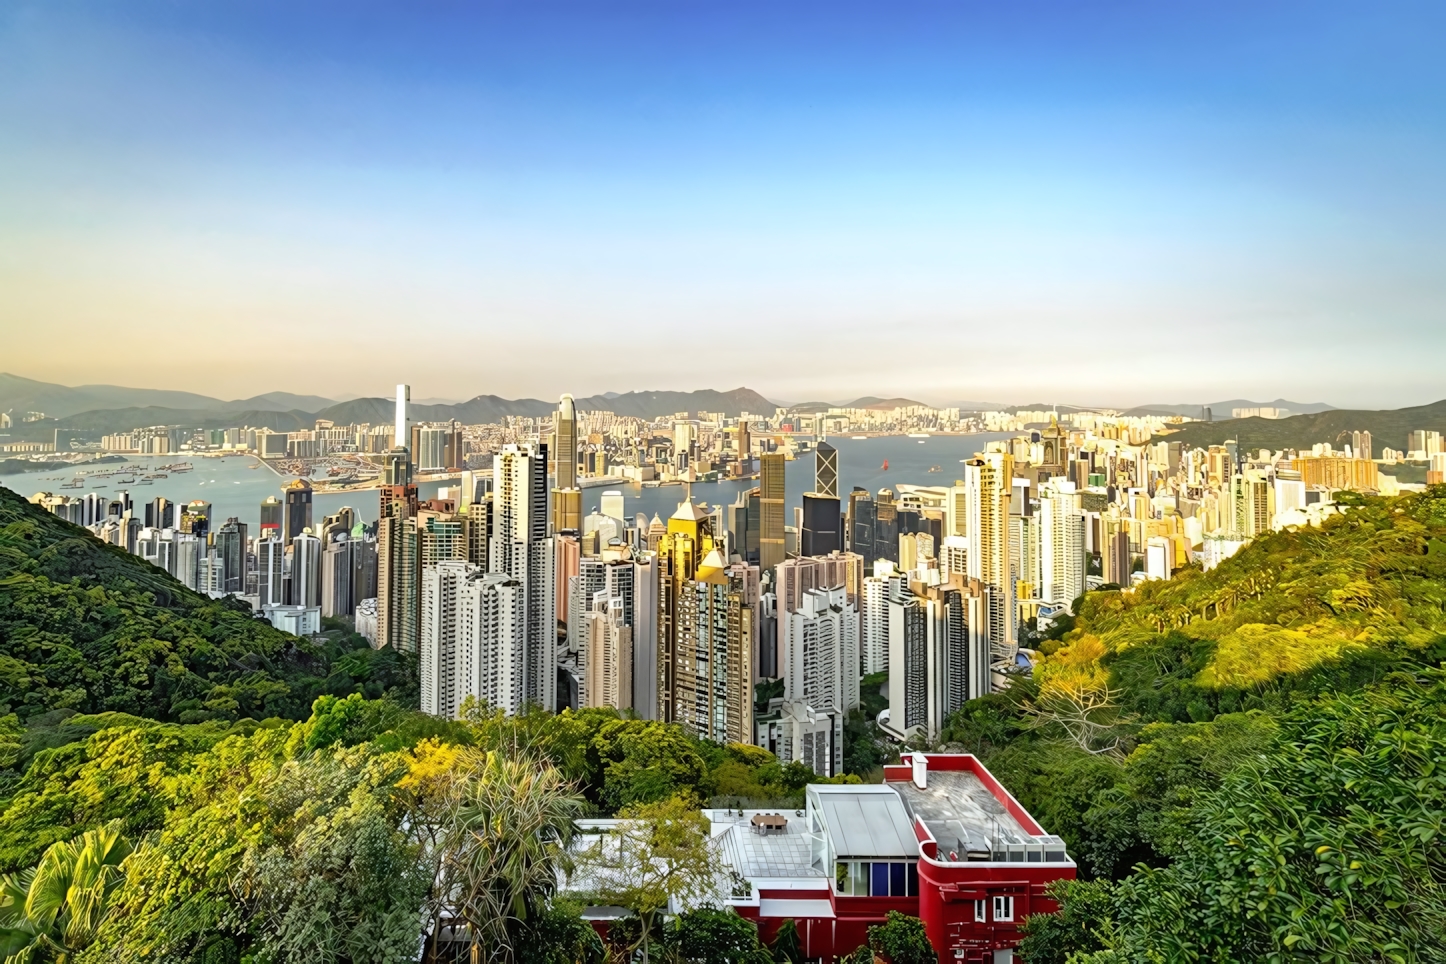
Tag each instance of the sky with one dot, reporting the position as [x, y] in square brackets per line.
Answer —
[1090, 203]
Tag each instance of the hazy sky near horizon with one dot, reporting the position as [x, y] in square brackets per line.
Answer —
[1112, 202]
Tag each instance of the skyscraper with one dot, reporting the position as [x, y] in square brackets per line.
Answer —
[825, 470]
[270, 569]
[566, 496]
[818, 655]
[398, 578]
[337, 573]
[297, 506]
[472, 641]
[306, 570]
[771, 501]
[821, 523]
[608, 645]
[565, 453]
[522, 549]
[231, 547]
[744, 520]
[402, 435]
[431, 454]
[1061, 543]
[987, 480]
[707, 630]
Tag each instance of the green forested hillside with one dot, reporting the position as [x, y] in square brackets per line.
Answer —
[87, 627]
[1214, 724]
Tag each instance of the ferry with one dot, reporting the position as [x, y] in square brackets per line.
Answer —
[918, 435]
[858, 438]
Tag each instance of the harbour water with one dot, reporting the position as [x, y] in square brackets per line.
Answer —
[236, 485]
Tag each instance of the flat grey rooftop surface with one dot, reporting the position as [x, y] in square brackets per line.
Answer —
[783, 854]
[957, 808]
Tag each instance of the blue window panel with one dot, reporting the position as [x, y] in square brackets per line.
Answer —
[897, 873]
[879, 880]
[913, 879]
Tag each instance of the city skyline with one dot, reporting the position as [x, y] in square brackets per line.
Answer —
[1191, 203]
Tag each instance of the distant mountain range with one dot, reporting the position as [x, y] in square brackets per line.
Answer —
[20, 395]
[98, 409]
[1388, 428]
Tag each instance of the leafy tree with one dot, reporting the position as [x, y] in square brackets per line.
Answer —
[787, 946]
[709, 935]
[1084, 918]
[505, 847]
[53, 911]
[558, 935]
[661, 854]
[280, 857]
[120, 771]
[1326, 847]
[902, 940]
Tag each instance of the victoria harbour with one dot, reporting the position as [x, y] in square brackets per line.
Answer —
[235, 485]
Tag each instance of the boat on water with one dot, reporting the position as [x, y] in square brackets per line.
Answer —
[936, 468]
[918, 435]
[921, 441]
[885, 466]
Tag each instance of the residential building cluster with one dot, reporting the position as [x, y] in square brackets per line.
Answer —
[291, 568]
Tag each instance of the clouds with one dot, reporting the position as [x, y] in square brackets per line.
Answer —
[948, 201]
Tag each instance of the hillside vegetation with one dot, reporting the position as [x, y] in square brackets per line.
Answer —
[87, 627]
[1196, 740]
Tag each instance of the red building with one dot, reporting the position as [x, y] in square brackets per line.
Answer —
[941, 840]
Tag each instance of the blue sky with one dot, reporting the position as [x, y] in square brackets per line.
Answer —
[1105, 202]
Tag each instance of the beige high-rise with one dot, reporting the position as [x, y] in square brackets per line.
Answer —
[987, 481]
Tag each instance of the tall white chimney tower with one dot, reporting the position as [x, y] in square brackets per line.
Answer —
[403, 437]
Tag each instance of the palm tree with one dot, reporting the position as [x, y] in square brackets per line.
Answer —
[52, 911]
[505, 847]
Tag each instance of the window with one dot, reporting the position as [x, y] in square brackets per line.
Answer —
[842, 880]
[981, 911]
[1004, 908]
[879, 880]
[913, 879]
[898, 875]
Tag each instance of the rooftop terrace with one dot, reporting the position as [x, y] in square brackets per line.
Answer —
[970, 823]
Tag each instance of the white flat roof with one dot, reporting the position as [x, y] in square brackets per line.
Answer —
[769, 907]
